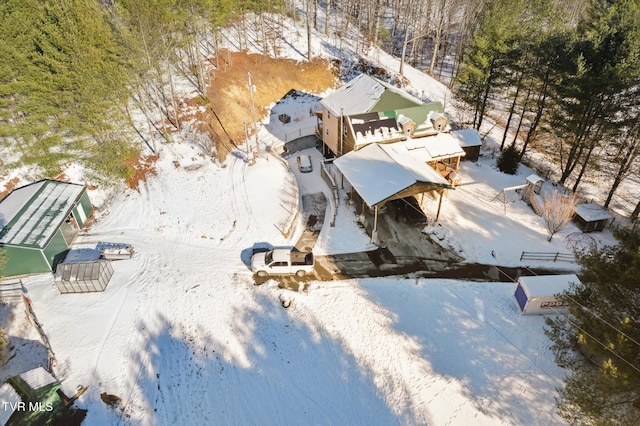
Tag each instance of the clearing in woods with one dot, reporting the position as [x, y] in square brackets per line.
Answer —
[228, 92]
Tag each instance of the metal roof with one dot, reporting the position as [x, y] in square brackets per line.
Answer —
[30, 215]
[365, 94]
[421, 114]
[436, 147]
[8, 395]
[467, 137]
[378, 172]
[38, 378]
[592, 212]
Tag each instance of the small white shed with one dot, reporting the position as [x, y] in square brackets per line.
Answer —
[537, 295]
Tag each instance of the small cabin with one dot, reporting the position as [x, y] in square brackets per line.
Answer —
[538, 294]
[470, 142]
[590, 217]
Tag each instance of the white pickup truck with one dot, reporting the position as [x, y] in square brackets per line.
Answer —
[282, 261]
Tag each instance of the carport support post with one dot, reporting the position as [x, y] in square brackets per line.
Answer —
[374, 233]
[439, 205]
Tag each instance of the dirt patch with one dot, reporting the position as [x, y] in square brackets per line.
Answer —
[9, 186]
[229, 103]
[143, 167]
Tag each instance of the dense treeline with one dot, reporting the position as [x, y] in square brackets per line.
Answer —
[70, 71]
[573, 87]
[599, 341]
[560, 75]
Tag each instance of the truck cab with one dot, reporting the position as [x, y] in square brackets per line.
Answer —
[282, 261]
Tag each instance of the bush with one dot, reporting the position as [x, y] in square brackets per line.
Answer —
[508, 160]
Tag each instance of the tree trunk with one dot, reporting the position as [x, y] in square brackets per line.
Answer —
[405, 42]
[308, 32]
[572, 160]
[487, 89]
[585, 163]
[636, 212]
[327, 18]
[513, 107]
[437, 39]
[625, 162]
[376, 22]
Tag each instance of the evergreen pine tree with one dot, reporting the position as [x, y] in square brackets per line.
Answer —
[598, 342]
[508, 161]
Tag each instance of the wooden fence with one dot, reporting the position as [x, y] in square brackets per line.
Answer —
[328, 179]
[548, 256]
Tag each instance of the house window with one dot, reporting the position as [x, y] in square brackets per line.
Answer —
[327, 132]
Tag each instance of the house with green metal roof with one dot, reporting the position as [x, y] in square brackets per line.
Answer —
[367, 110]
[38, 223]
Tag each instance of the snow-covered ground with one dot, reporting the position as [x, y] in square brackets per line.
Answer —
[183, 336]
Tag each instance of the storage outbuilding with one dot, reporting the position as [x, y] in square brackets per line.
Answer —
[470, 142]
[38, 223]
[538, 294]
[591, 217]
[36, 398]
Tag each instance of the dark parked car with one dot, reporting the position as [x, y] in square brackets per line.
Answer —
[408, 210]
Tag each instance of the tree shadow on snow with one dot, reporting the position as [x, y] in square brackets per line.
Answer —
[267, 370]
[465, 333]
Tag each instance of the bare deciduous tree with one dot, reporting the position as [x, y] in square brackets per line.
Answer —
[558, 211]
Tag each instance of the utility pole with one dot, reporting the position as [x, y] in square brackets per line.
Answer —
[252, 89]
[246, 139]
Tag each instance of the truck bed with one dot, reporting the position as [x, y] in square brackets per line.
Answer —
[301, 258]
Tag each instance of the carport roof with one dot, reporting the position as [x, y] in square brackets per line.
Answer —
[379, 172]
[31, 214]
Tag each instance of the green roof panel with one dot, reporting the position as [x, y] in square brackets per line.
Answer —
[33, 213]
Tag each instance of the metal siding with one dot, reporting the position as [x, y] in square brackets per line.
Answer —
[56, 249]
[23, 260]
[85, 204]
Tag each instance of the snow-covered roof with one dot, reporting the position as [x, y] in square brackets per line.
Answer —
[38, 378]
[31, 214]
[360, 95]
[547, 285]
[467, 137]
[357, 96]
[442, 145]
[378, 172]
[10, 399]
[591, 212]
[534, 178]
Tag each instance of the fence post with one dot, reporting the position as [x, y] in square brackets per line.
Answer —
[556, 256]
[522, 255]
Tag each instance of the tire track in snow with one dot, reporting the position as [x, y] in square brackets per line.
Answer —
[240, 204]
[113, 321]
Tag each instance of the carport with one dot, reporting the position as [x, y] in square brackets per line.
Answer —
[381, 173]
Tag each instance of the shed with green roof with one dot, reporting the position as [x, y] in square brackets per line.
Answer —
[36, 398]
[39, 222]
